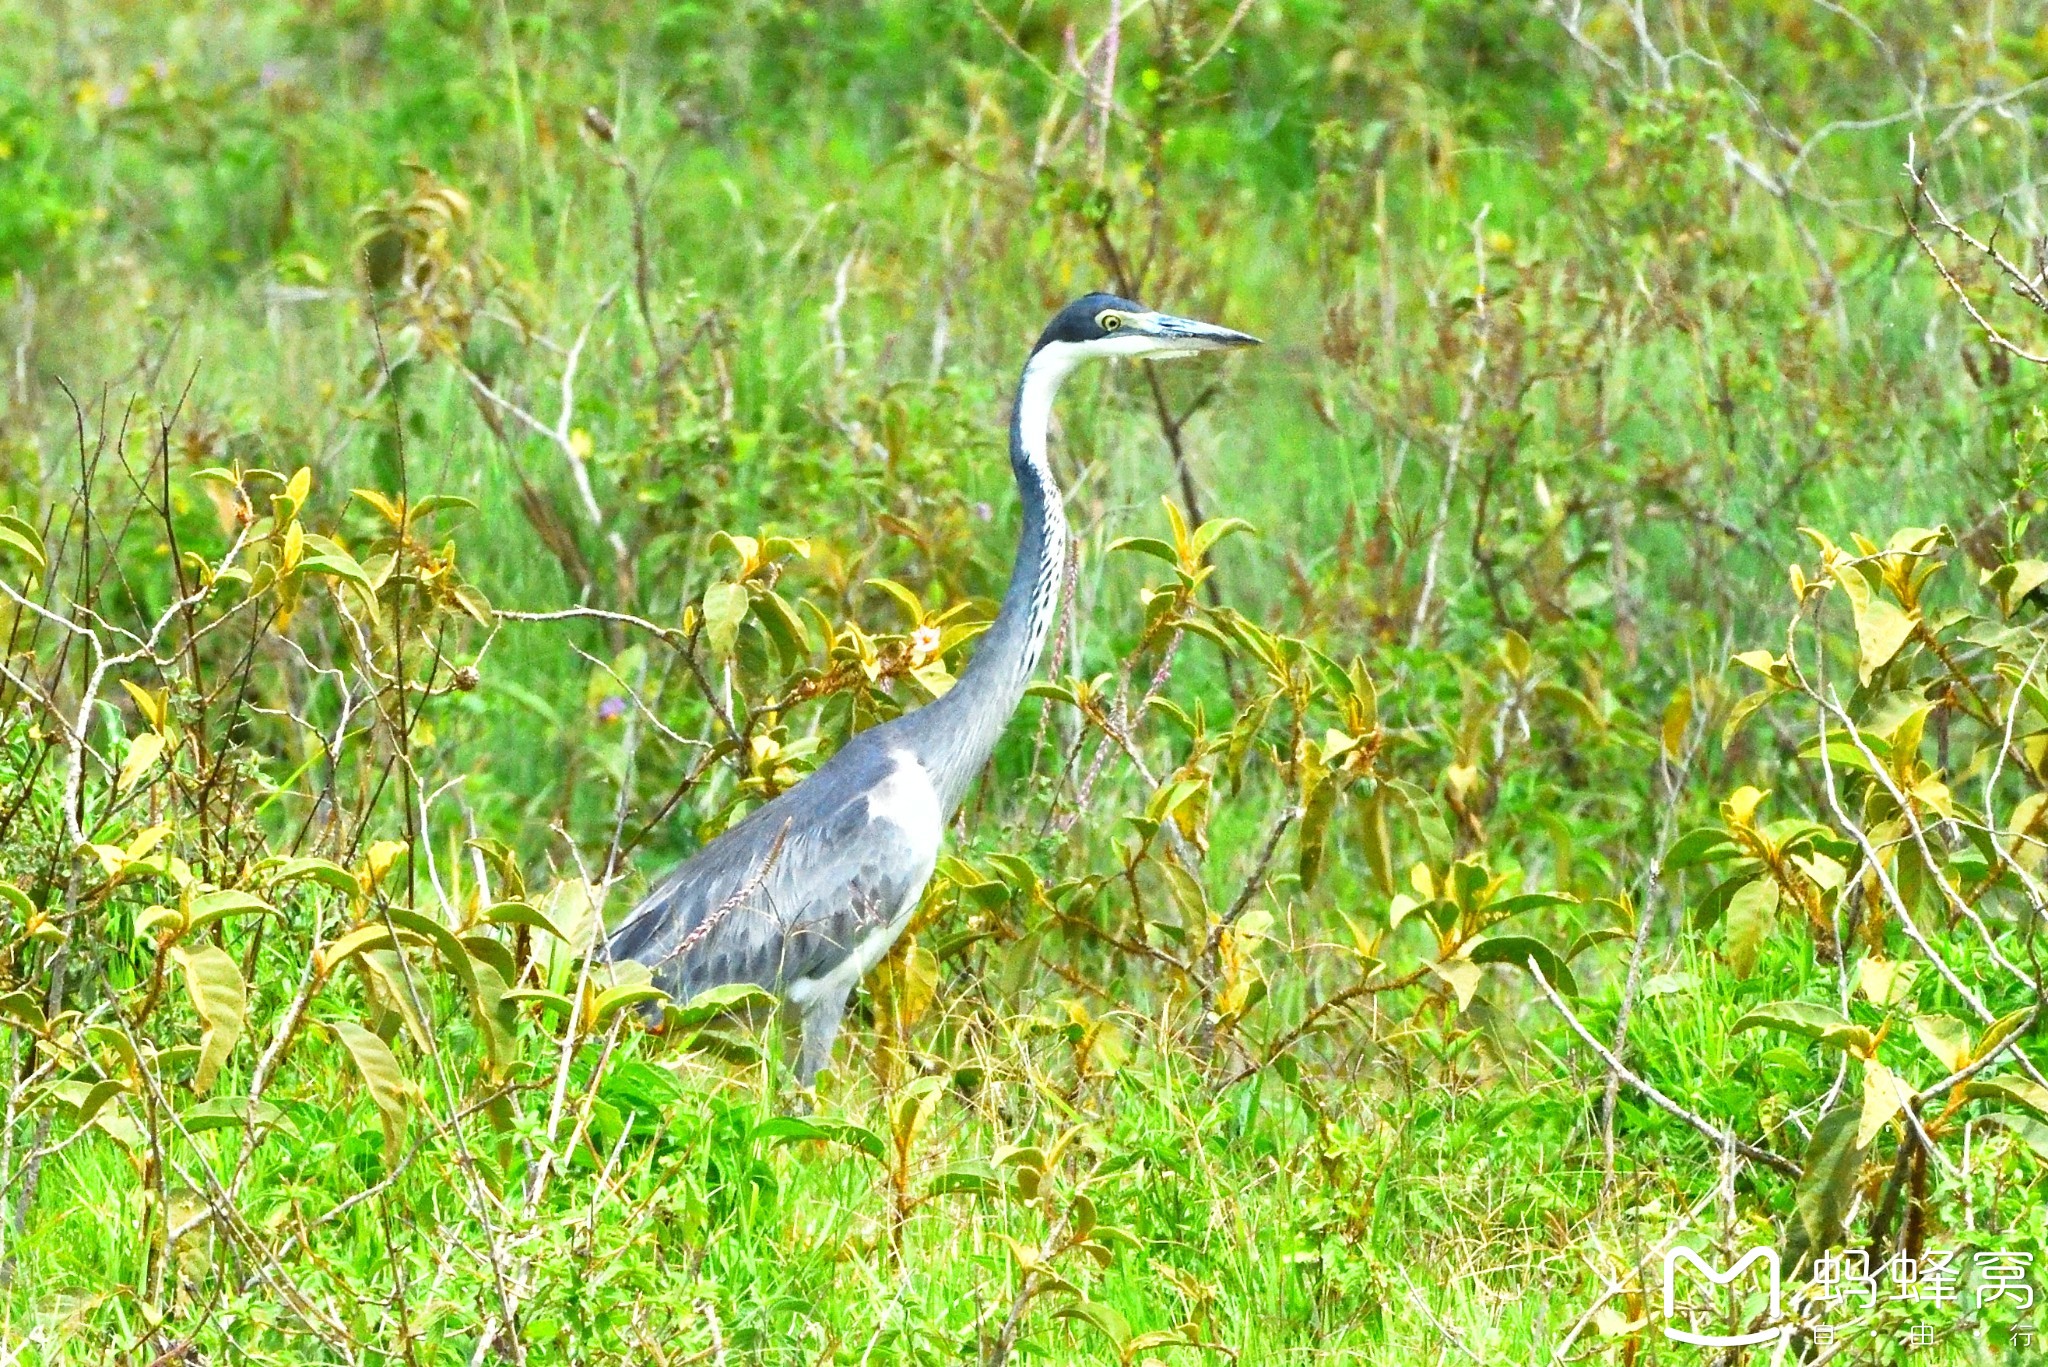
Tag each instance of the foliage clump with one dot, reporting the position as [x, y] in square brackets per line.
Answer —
[1563, 777]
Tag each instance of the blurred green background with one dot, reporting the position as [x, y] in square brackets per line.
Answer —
[1575, 314]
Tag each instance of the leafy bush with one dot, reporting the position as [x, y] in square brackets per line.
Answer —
[461, 459]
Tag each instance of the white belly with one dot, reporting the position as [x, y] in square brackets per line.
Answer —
[907, 801]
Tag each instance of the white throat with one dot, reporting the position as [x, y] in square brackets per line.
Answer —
[1043, 375]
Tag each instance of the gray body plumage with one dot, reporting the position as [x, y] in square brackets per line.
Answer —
[808, 892]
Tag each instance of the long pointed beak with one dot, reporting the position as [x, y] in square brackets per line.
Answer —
[1186, 335]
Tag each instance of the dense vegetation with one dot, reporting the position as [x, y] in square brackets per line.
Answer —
[457, 457]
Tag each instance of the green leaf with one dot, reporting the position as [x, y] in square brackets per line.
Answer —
[1378, 839]
[230, 1113]
[1827, 1184]
[1518, 950]
[517, 913]
[1752, 916]
[1528, 901]
[149, 920]
[18, 900]
[388, 1087]
[1809, 1020]
[613, 1000]
[729, 999]
[442, 939]
[1945, 1037]
[969, 1176]
[791, 1129]
[1599, 935]
[2032, 1131]
[24, 540]
[1742, 711]
[912, 605]
[434, 503]
[1214, 530]
[341, 565]
[725, 1046]
[471, 600]
[358, 941]
[209, 907]
[88, 1103]
[912, 1110]
[786, 629]
[495, 1015]
[220, 997]
[725, 607]
[1315, 827]
[325, 872]
[560, 1005]
[1146, 545]
[1106, 1318]
[394, 983]
[2012, 1090]
[1429, 819]
[1711, 907]
[23, 1009]
[1996, 1033]
[492, 953]
[1843, 753]
[1703, 846]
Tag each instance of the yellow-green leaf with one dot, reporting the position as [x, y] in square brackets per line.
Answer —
[153, 705]
[1752, 915]
[1945, 1037]
[1995, 1034]
[386, 506]
[323, 871]
[1885, 982]
[209, 907]
[360, 940]
[1881, 628]
[380, 1073]
[1808, 1019]
[1463, 975]
[143, 753]
[725, 607]
[1315, 825]
[517, 913]
[2012, 1090]
[214, 981]
[1677, 717]
[23, 539]
[613, 1000]
[1882, 1099]
[1740, 808]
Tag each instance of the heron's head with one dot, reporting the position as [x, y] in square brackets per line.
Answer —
[1100, 325]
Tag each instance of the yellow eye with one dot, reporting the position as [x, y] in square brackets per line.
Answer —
[1109, 322]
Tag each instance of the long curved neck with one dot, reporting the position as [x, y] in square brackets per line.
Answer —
[955, 734]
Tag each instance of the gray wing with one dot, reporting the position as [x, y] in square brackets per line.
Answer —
[786, 894]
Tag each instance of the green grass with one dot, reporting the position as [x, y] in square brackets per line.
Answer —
[1667, 375]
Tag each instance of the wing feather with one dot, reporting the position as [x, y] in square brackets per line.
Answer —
[784, 895]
